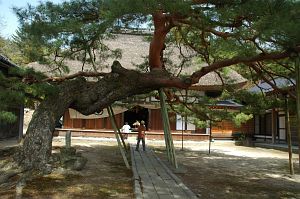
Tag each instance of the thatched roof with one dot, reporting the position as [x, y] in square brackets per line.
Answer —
[134, 50]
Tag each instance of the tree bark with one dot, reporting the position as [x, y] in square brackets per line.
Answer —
[35, 150]
[87, 98]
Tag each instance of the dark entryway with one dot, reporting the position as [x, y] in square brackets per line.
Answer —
[137, 113]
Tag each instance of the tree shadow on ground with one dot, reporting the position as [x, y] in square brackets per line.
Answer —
[104, 176]
[218, 175]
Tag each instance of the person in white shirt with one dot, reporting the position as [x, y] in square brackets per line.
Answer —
[125, 130]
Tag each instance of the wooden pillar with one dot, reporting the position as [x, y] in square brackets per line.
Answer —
[181, 132]
[185, 115]
[21, 123]
[289, 136]
[274, 126]
[210, 137]
[297, 68]
[149, 119]
[104, 120]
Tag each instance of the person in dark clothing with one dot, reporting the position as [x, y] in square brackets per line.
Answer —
[141, 136]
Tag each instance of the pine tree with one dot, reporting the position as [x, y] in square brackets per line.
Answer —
[258, 35]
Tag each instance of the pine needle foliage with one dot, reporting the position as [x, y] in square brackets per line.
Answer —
[212, 30]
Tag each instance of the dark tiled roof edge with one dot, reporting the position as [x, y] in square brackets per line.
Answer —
[4, 62]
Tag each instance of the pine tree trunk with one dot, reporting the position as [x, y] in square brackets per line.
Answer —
[157, 44]
[37, 145]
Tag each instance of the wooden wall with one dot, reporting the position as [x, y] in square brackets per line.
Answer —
[226, 128]
[100, 123]
[248, 127]
[156, 122]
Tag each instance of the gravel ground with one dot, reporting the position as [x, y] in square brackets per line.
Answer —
[228, 172]
[105, 175]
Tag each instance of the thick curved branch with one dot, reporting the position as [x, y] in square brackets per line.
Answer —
[224, 35]
[119, 84]
[238, 60]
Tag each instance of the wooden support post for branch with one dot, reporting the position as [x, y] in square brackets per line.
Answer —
[118, 129]
[166, 135]
[167, 131]
[109, 110]
[289, 136]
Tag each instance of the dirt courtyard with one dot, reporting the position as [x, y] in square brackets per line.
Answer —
[229, 172]
[104, 176]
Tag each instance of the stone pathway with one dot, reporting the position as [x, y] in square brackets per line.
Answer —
[153, 179]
